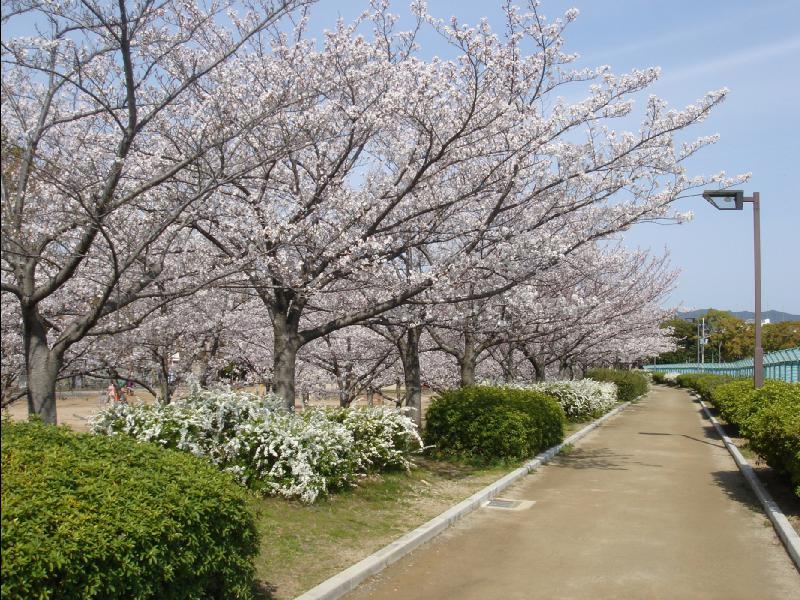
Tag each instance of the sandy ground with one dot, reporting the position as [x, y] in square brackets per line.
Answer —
[650, 505]
[75, 408]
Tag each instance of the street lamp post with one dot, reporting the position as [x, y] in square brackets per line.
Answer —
[734, 200]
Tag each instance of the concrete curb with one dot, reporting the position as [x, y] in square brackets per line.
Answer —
[784, 529]
[345, 581]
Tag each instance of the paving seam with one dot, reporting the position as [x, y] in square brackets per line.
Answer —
[347, 580]
[784, 529]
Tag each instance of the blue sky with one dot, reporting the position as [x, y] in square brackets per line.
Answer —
[752, 48]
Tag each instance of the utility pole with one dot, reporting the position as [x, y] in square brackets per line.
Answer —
[703, 341]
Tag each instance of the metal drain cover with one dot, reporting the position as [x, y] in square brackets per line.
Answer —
[505, 504]
[500, 503]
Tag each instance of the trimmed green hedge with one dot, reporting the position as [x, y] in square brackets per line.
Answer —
[486, 424]
[703, 383]
[769, 418]
[87, 516]
[630, 384]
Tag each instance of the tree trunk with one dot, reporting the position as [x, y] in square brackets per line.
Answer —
[41, 367]
[508, 365]
[563, 370]
[467, 362]
[284, 369]
[285, 326]
[539, 371]
[409, 353]
[163, 378]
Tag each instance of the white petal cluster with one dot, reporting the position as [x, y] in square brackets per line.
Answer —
[295, 455]
[582, 399]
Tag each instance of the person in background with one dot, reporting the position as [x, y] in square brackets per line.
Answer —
[111, 391]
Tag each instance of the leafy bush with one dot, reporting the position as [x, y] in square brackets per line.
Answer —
[582, 399]
[630, 384]
[94, 517]
[295, 455]
[486, 424]
[735, 400]
[769, 417]
[659, 377]
[703, 383]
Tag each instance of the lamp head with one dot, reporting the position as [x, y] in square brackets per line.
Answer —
[725, 199]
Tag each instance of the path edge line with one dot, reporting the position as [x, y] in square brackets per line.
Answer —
[784, 529]
[347, 580]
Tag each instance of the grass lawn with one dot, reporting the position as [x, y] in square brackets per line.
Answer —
[304, 545]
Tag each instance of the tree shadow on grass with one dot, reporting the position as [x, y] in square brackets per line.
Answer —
[446, 469]
[263, 590]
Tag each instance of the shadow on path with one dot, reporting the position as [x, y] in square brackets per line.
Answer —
[736, 488]
[598, 458]
[689, 437]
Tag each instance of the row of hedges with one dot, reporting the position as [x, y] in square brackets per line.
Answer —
[630, 384]
[485, 424]
[85, 516]
[582, 399]
[703, 383]
[769, 417]
[272, 451]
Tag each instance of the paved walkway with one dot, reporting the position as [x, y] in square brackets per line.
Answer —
[648, 506]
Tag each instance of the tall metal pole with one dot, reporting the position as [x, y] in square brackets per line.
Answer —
[758, 354]
[697, 349]
[703, 341]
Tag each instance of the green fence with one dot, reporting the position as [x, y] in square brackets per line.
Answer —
[783, 365]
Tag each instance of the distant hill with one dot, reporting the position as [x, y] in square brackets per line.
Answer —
[774, 316]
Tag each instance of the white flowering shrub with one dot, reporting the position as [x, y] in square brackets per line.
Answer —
[295, 455]
[671, 378]
[582, 399]
[383, 441]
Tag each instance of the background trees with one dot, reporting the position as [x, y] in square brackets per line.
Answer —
[729, 337]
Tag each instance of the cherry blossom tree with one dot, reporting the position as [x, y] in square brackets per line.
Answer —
[461, 168]
[12, 360]
[117, 121]
[598, 307]
[356, 359]
[191, 338]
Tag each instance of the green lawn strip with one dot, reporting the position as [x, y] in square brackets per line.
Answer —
[302, 546]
